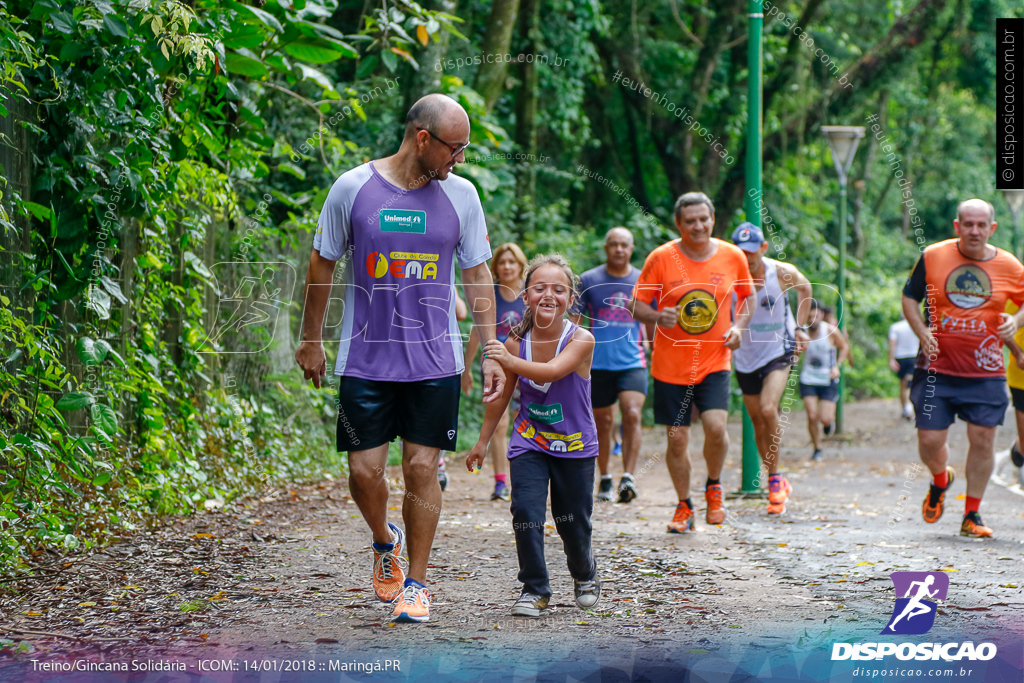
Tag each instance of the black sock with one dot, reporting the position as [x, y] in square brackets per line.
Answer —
[689, 503]
[712, 482]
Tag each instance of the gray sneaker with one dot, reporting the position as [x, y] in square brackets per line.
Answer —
[530, 605]
[587, 592]
[604, 490]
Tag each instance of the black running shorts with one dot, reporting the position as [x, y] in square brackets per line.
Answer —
[371, 413]
[673, 403]
[605, 385]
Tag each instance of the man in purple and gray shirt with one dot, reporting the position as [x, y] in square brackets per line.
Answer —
[400, 223]
[619, 372]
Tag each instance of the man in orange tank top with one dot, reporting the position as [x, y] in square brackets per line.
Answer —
[686, 287]
[964, 284]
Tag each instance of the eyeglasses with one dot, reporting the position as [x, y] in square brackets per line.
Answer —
[454, 148]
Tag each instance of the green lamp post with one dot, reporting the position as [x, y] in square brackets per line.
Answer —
[842, 141]
[751, 475]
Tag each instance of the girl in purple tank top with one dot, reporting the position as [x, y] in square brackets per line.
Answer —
[508, 266]
[554, 441]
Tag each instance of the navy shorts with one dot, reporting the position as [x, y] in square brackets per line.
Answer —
[673, 403]
[939, 399]
[752, 382]
[824, 392]
[906, 369]
[605, 385]
[371, 412]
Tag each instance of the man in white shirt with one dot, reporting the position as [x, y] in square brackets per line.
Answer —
[903, 345]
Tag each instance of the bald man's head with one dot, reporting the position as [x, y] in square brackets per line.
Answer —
[618, 234]
[618, 247]
[431, 112]
[975, 204]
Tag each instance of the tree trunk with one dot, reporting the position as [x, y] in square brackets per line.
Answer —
[16, 167]
[490, 79]
[128, 249]
[526, 120]
[174, 324]
[861, 186]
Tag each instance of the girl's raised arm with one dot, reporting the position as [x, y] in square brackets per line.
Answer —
[492, 415]
[575, 357]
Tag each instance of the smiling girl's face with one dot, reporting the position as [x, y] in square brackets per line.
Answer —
[548, 295]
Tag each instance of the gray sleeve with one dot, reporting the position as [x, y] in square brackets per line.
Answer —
[473, 247]
[334, 227]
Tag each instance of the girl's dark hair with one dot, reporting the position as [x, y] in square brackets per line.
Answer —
[526, 324]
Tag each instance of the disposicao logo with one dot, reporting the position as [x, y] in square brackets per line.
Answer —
[914, 614]
[916, 593]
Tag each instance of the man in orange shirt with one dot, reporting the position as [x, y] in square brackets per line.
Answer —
[964, 284]
[686, 287]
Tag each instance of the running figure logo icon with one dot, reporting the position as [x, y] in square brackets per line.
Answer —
[914, 611]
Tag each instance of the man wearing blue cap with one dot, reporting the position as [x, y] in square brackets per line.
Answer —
[768, 350]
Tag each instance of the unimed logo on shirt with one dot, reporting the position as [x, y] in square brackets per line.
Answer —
[400, 220]
[551, 414]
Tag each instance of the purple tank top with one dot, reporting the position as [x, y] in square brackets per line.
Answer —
[508, 314]
[555, 418]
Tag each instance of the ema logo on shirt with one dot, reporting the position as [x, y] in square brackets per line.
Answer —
[403, 265]
[398, 220]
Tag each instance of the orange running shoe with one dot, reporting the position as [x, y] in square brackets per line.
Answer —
[682, 520]
[716, 510]
[413, 604]
[778, 493]
[931, 509]
[388, 577]
[973, 526]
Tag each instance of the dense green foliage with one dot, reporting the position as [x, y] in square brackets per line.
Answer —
[164, 164]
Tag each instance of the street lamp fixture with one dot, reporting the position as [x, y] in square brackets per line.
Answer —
[842, 141]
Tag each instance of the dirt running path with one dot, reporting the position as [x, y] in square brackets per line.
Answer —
[288, 575]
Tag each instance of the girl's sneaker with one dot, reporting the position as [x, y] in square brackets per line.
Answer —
[587, 592]
[530, 605]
